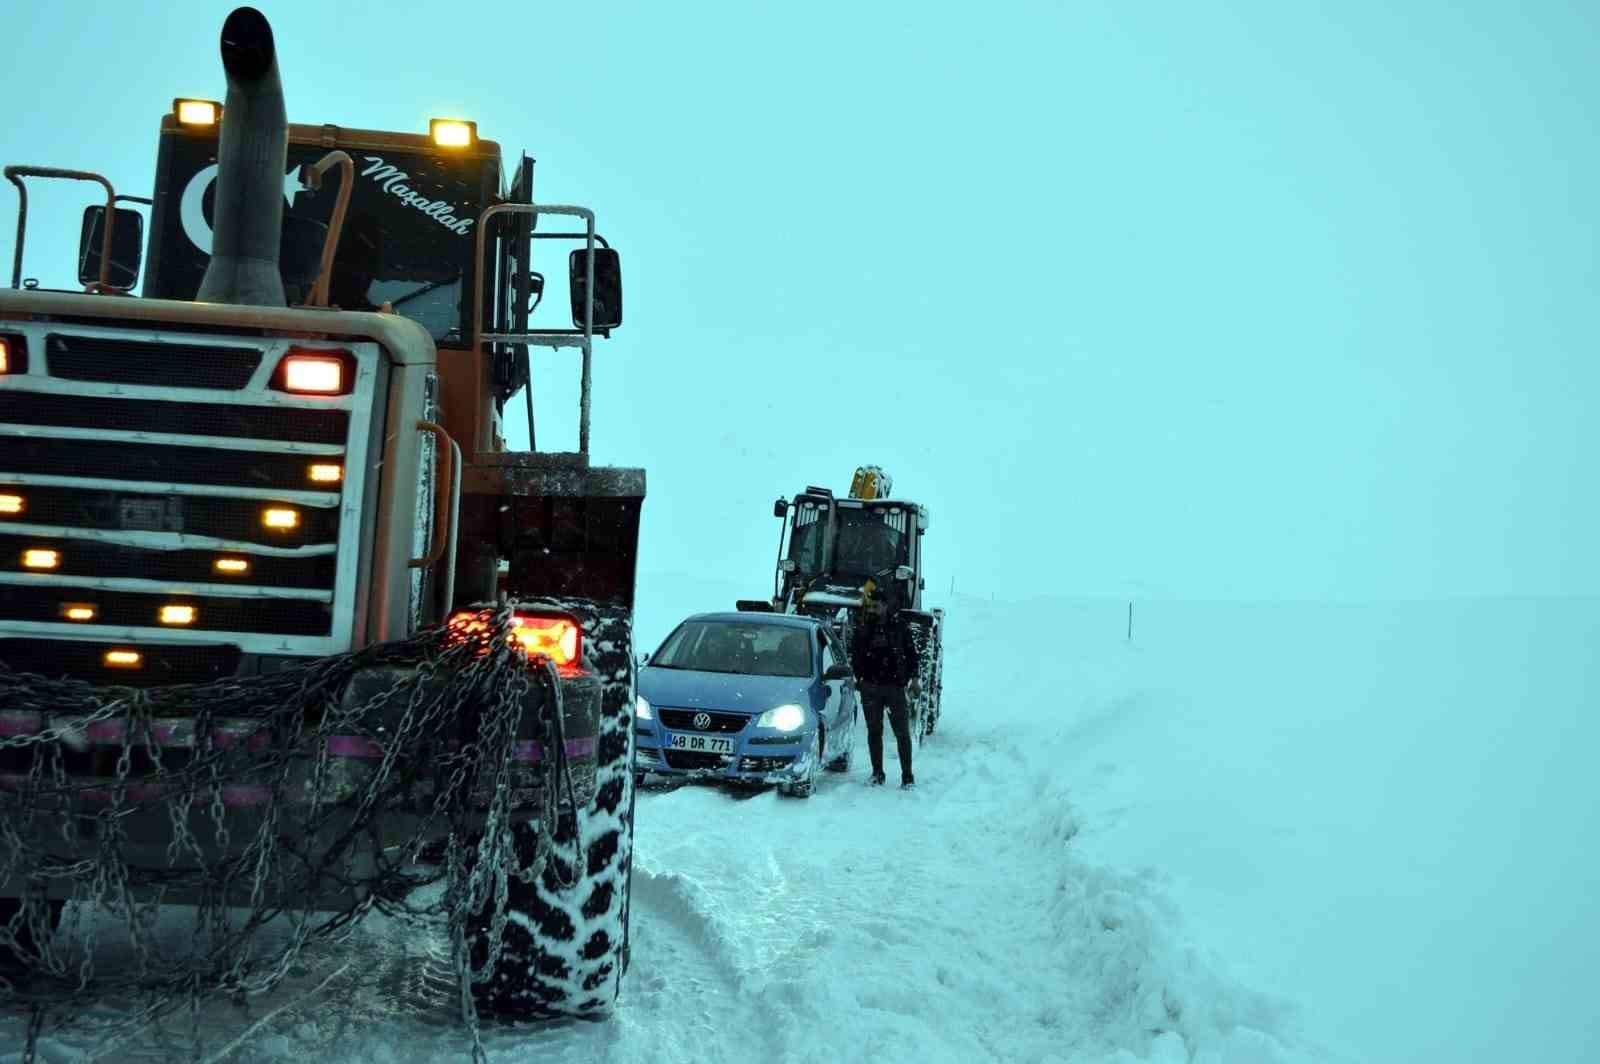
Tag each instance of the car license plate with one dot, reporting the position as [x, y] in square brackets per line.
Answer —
[706, 744]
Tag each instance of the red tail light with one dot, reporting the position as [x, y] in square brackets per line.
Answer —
[540, 635]
[555, 638]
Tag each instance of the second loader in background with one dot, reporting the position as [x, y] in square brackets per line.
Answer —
[837, 554]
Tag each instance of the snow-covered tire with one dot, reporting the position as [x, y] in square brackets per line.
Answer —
[931, 678]
[803, 788]
[565, 947]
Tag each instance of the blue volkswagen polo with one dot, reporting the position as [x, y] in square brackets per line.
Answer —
[747, 697]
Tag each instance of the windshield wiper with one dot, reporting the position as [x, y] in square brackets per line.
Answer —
[424, 290]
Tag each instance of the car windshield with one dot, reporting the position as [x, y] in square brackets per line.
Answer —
[740, 647]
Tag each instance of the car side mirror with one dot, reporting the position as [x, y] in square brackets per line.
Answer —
[607, 287]
[904, 572]
[780, 508]
[838, 672]
[127, 247]
[644, 659]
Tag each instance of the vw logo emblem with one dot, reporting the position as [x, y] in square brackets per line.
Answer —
[702, 721]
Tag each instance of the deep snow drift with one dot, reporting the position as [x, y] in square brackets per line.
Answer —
[1250, 834]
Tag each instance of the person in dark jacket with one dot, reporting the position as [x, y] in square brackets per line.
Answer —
[884, 662]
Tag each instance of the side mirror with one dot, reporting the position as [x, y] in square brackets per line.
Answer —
[788, 565]
[127, 247]
[838, 672]
[607, 288]
[644, 659]
[904, 572]
[780, 508]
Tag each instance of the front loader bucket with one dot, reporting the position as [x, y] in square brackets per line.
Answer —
[571, 531]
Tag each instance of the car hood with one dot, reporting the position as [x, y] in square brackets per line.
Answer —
[687, 689]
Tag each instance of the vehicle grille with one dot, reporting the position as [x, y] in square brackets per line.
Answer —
[121, 361]
[690, 761]
[132, 464]
[60, 659]
[764, 764]
[683, 720]
[156, 416]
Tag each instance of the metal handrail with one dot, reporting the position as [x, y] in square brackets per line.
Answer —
[542, 338]
[311, 176]
[15, 174]
[447, 499]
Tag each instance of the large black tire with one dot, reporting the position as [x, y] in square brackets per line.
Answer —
[565, 947]
[935, 686]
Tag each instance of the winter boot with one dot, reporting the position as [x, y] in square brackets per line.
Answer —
[876, 780]
[907, 781]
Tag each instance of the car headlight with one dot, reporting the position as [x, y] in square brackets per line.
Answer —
[641, 709]
[784, 718]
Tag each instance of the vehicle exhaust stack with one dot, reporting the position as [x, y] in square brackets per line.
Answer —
[252, 157]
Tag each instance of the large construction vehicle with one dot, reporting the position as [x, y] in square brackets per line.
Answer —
[835, 554]
[288, 458]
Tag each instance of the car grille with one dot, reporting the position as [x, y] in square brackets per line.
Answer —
[683, 720]
[764, 764]
[133, 463]
[687, 760]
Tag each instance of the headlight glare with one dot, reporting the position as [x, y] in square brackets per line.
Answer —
[641, 709]
[784, 718]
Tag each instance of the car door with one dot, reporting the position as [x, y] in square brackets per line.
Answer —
[841, 696]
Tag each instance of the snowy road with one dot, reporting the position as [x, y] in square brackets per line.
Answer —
[950, 924]
[1126, 852]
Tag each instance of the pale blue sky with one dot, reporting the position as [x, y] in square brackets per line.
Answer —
[1230, 299]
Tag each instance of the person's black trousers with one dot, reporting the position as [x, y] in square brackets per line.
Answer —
[875, 700]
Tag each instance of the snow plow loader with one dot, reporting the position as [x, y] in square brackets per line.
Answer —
[286, 629]
[834, 554]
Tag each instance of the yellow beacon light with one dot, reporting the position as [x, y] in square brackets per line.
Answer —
[453, 132]
[197, 112]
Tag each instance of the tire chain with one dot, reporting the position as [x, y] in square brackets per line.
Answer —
[466, 684]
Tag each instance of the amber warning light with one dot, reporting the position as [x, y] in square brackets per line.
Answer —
[197, 112]
[453, 132]
[312, 375]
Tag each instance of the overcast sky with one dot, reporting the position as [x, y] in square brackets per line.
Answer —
[1265, 300]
